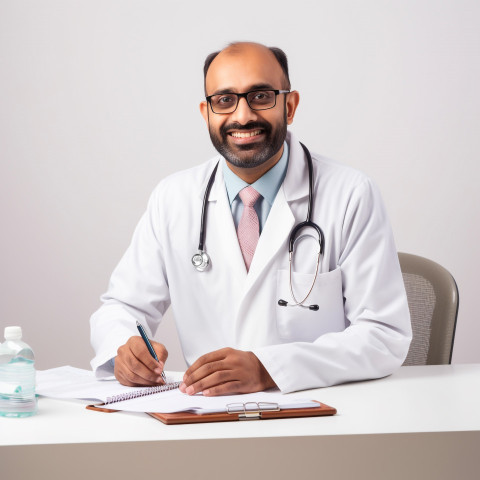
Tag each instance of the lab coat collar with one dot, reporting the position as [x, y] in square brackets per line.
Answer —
[295, 185]
[218, 183]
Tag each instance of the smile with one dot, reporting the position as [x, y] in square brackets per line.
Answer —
[245, 134]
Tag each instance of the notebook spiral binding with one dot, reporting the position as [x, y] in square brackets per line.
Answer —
[142, 393]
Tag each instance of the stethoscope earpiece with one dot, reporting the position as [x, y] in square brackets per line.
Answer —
[284, 303]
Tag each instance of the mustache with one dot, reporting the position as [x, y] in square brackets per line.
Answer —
[249, 126]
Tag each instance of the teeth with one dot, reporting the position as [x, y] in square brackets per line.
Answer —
[245, 134]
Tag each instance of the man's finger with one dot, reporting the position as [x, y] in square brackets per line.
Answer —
[136, 371]
[229, 388]
[135, 365]
[141, 352]
[204, 371]
[140, 377]
[207, 358]
[161, 352]
[212, 380]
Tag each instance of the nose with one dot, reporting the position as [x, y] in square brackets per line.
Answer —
[243, 114]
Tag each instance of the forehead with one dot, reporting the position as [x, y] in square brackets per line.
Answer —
[240, 69]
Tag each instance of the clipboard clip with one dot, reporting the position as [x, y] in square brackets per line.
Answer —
[251, 410]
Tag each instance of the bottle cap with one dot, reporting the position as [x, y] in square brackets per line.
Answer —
[13, 333]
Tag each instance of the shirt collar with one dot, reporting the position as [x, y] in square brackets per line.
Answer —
[267, 185]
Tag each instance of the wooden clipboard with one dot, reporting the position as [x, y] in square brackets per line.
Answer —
[179, 418]
[187, 417]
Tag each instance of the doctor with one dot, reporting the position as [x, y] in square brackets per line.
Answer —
[236, 334]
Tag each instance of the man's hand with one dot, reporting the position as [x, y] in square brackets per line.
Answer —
[135, 367]
[226, 371]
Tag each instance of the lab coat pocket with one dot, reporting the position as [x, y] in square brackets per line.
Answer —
[299, 324]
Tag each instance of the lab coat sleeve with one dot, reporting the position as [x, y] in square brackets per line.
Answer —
[377, 339]
[138, 290]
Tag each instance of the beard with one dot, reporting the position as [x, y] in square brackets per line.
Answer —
[254, 154]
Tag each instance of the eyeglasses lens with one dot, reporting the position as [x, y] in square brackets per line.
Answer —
[257, 100]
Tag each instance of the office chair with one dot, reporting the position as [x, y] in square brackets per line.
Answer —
[433, 301]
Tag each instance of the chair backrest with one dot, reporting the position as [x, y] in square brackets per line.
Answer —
[433, 301]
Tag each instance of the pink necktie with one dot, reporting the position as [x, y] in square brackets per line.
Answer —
[248, 230]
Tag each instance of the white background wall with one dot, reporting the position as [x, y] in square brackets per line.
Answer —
[99, 101]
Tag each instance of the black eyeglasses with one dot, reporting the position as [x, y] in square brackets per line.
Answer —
[256, 99]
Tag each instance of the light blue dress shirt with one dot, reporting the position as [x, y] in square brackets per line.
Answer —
[267, 186]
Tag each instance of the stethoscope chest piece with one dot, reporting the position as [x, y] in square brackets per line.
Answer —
[201, 261]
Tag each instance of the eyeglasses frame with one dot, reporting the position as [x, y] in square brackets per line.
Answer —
[244, 95]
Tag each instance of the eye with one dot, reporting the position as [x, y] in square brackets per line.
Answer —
[260, 96]
[263, 98]
[224, 99]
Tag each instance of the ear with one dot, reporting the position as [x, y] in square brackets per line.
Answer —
[204, 111]
[293, 98]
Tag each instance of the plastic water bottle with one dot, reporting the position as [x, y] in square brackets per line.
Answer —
[17, 376]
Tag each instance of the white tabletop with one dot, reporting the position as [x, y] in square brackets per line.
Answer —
[414, 399]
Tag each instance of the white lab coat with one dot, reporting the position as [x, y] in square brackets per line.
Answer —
[362, 329]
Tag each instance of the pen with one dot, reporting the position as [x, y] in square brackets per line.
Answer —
[149, 346]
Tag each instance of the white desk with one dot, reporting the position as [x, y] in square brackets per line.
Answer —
[421, 422]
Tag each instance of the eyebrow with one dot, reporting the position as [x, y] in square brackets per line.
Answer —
[257, 86]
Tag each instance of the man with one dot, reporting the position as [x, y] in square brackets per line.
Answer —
[235, 334]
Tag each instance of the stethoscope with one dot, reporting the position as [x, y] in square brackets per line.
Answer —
[201, 259]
